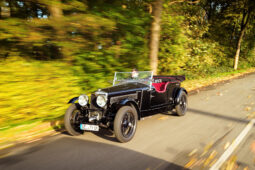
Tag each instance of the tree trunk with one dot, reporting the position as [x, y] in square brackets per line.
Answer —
[238, 49]
[55, 12]
[56, 15]
[157, 6]
[0, 12]
[5, 11]
[244, 22]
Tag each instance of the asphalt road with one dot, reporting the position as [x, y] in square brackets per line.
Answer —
[215, 118]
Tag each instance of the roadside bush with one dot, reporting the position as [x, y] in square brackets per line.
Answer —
[33, 90]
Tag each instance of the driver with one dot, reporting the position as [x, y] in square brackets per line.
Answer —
[134, 73]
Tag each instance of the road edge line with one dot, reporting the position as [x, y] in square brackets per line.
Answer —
[233, 146]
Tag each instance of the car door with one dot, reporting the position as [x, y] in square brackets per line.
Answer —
[157, 99]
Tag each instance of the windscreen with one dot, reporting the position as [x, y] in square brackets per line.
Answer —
[135, 76]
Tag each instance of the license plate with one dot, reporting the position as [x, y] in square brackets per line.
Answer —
[89, 127]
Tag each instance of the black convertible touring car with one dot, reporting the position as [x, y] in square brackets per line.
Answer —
[132, 96]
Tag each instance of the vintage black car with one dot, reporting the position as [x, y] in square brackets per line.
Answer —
[132, 96]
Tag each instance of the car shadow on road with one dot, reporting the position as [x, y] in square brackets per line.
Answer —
[215, 115]
[107, 134]
[72, 153]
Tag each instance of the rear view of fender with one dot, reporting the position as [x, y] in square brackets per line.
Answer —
[73, 100]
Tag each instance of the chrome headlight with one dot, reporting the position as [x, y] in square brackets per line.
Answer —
[83, 100]
[101, 100]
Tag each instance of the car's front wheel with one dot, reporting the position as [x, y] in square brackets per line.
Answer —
[181, 108]
[72, 120]
[125, 123]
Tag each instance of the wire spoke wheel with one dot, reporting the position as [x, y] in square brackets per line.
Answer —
[75, 119]
[183, 103]
[181, 108]
[72, 120]
[125, 123]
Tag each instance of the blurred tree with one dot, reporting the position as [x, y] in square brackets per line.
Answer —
[5, 10]
[229, 20]
[248, 12]
[155, 34]
[130, 37]
[119, 35]
[156, 10]
[86, 41]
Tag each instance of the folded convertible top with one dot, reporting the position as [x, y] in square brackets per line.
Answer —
[170, 78]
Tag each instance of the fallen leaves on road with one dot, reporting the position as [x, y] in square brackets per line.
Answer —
[251, 115]
[210, 158]
[231, 164]
[207, 148]
[191, 163]
[207, 157]
[207, 98]
[247, 108]
[246, 168]
[219, 94]
[213, 162]
[197, 160]
[253, 147]
[163, 118]
[226, 145]
[192, 152]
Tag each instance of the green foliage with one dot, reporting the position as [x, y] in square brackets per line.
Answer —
[226, 19]
[65, 48]
[173, 54]
[68, 47]
[126, 48]
[33, 90]
[183, 48]
[200, 39]
[130, 38]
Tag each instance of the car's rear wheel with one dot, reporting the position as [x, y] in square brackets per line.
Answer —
[72, 120]
[181, 108]
[125, 123]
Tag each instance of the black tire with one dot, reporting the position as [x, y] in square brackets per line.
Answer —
[181, 108]
[125, 123]
[71, 120]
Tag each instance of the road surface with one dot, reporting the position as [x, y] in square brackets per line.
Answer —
[215, 117]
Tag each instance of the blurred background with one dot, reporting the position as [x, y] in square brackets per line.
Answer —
[53, 50]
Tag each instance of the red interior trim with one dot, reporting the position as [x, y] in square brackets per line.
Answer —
[160, 87]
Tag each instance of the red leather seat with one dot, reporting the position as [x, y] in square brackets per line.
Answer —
[160, 87]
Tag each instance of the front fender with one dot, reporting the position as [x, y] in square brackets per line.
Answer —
[133, 103]
[73, 100]
[125, 101]
[178, 95]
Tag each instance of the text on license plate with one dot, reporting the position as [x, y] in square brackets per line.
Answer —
[89, 127]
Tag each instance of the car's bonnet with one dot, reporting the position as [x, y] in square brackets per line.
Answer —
[125, 88]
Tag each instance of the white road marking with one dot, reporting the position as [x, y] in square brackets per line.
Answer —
[233, 146]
